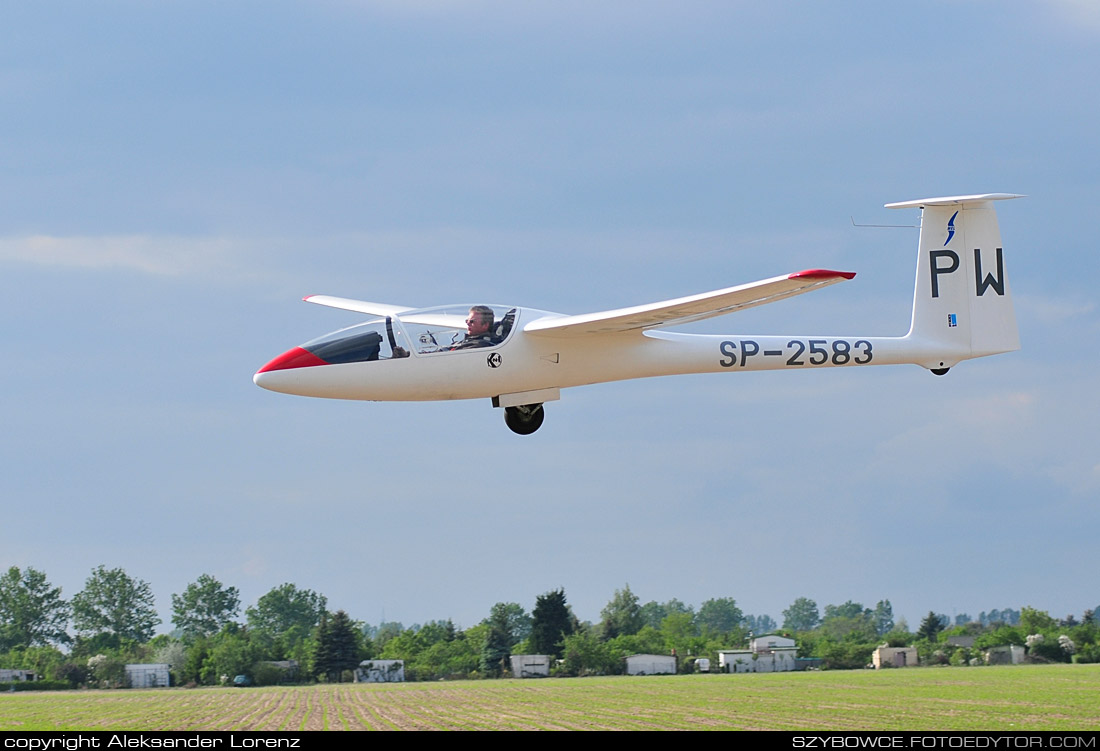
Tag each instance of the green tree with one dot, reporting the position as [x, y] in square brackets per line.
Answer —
[508, 623]
[32, 612]
[761, 624]
[883, 617]
[551, 622]
[802, 615]
[585, 654]
[454, 657]
[383, 632]
[847, 610]
[512, 619]
[497, 648]
[337, 646]
[204, 607]
[286, 615]
[116, 607]
[930, 627]
[720, 616]
[654, 612]
[231, 652]
[1033, 621]
[622, 615]
[109, 672]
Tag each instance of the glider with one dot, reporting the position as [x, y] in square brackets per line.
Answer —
[521, 358]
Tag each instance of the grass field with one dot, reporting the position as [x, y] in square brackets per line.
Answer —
[1033, 697]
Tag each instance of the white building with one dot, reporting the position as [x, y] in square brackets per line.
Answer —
[380, 671]
[768, 654]
[8, 675]
[651, 665]
[148, 675]
[772, 641]
[735, 661]
[1010, 654]
[530, 666]
[895, 657]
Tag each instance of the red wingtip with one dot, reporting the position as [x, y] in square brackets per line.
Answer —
[821, 274]
[293, 358]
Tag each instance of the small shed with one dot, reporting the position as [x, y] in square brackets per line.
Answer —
[531, 666]
[148, 675]
[651, 665]
[380, 671]
[1010, 654]
[8, 675]
[735, 661]
[895, 657]
[775, 660]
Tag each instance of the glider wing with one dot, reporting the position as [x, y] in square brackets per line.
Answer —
[687, 309]
[359, 306]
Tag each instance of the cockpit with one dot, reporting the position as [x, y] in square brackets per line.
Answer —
[424, 331]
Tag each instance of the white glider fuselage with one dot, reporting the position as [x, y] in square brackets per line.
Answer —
[961, 309]
[526, 363]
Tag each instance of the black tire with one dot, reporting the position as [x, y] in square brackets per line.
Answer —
[940, 371]
[525, 419]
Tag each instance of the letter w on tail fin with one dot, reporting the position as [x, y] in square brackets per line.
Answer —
[962, 305]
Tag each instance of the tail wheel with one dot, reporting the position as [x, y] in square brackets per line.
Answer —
[524, 419]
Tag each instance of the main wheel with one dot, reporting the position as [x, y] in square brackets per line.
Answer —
[940, 371]
[524, 419]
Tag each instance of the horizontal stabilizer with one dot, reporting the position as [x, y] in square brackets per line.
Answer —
[358, 306]
[688, 309]
[952, 200]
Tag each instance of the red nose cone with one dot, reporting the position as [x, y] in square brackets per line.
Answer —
[293, 358]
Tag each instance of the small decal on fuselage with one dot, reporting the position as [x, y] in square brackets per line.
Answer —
[493, 360]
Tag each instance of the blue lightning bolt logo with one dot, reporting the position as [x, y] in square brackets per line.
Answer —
[950, 228]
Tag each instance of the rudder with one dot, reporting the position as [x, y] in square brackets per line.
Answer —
[962, 304]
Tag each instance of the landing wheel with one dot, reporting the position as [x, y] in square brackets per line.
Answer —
[940, 371]
[524, 419]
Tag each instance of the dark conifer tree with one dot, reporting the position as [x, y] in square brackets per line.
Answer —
[337, 646]
[551, 623]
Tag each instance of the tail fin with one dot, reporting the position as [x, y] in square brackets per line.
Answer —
[962, 306]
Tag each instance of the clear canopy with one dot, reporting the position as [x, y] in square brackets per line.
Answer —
[446, 328]
[430, 331]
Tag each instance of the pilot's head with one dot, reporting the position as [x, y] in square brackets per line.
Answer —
[480, 320]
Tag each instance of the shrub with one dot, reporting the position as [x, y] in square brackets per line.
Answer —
[35, 686]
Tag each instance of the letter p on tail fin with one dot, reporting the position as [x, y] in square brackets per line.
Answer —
[962, 305]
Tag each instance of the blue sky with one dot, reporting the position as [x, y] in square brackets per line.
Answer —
[176, 176]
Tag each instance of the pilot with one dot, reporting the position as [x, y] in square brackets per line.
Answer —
[479, 328]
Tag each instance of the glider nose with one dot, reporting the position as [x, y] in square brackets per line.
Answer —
[293, 358]
[270, 377]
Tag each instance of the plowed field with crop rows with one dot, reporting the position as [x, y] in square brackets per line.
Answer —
[1055, 697]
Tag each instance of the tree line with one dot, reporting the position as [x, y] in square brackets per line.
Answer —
[113, 620]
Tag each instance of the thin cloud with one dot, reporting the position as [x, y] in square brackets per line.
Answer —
[1080, 13]
[1055, 310]
[166, 256]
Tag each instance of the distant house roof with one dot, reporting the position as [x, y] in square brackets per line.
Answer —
[772, 641]
[962, 641]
